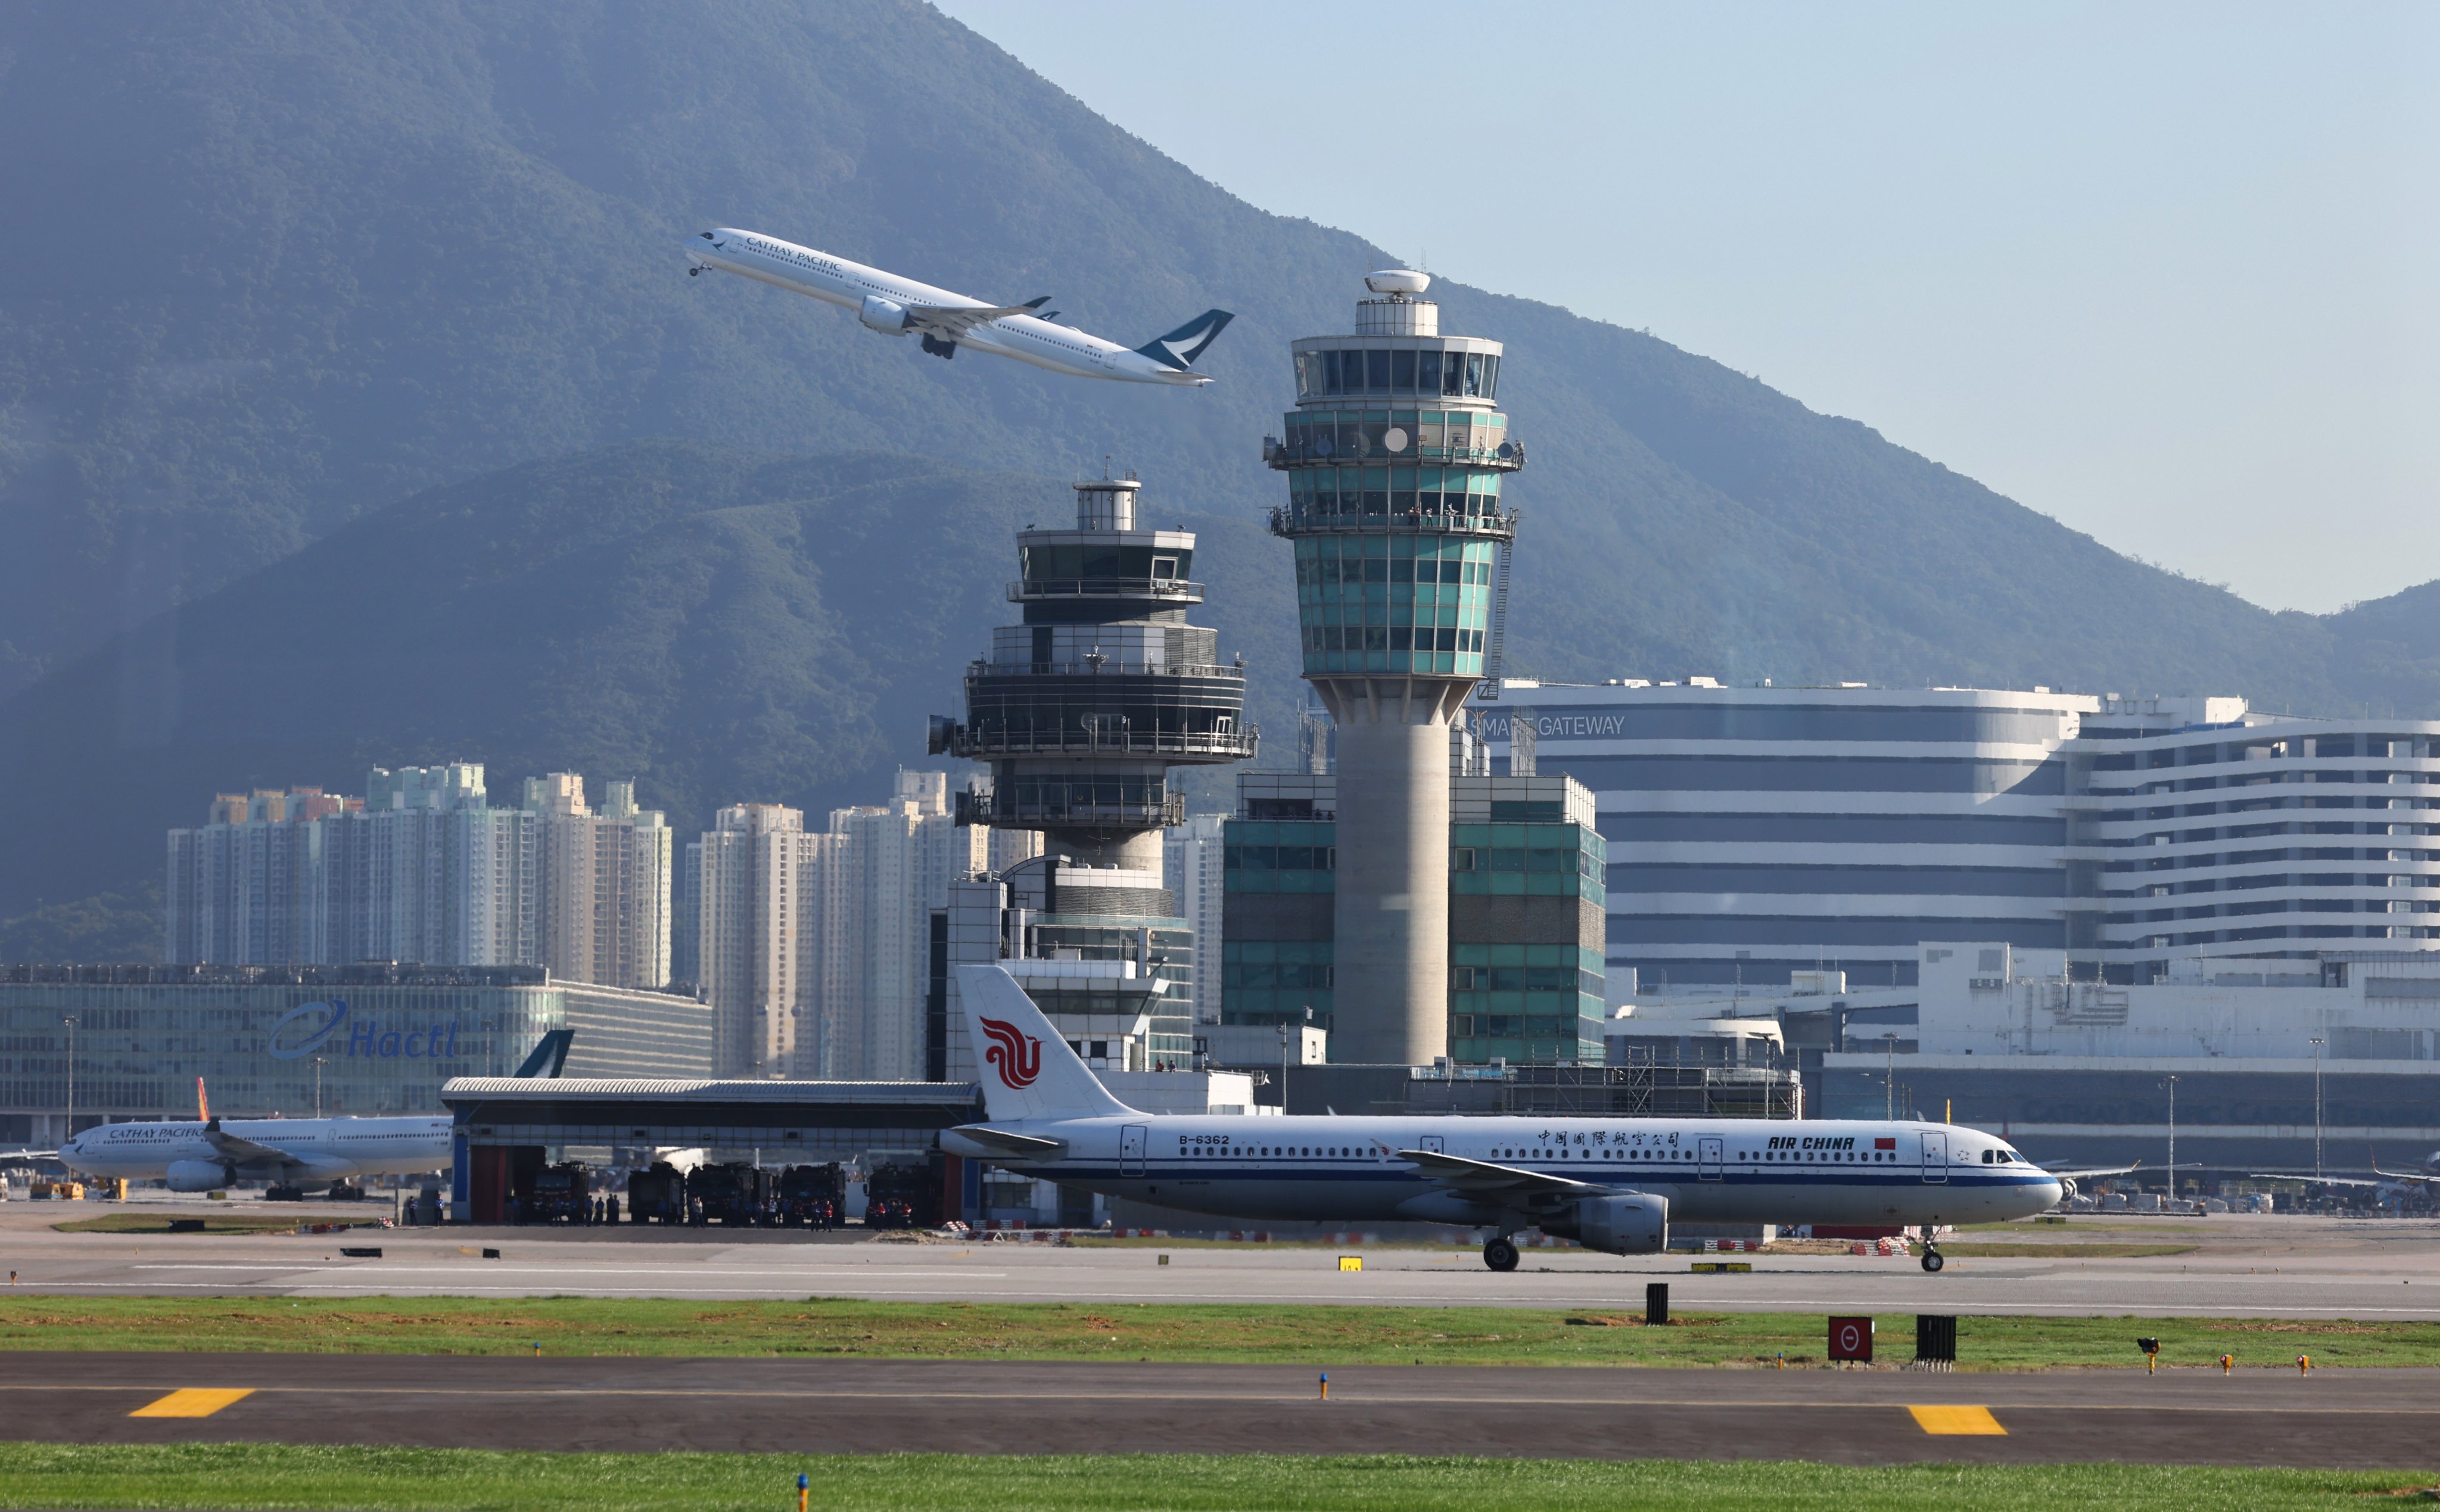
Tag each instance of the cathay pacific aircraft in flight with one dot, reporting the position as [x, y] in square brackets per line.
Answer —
[900, 307]
[1611, 1183]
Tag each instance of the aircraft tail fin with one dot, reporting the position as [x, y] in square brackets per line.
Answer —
[548, 1056]
[1181, 348]
[1026, 1068]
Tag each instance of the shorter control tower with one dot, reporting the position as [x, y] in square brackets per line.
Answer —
[1081, 711]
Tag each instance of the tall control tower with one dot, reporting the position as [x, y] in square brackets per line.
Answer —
[1081, 712]
[1393, 457]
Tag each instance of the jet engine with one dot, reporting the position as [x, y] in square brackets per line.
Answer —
[1630, 1223]
[197, 1175]
[884, 315]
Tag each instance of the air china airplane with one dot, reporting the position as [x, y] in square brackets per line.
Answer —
[898, 307]
[1611, 1183]
[288, 1153]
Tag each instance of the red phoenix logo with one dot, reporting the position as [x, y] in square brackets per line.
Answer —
[1017, 1057]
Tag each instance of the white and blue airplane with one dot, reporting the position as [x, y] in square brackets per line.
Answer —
[901, 307]
[288, 1154]
[1613, 1184]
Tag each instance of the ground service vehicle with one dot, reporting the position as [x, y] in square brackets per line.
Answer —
[901, 1196]
[562, 1194]
[813, 1196]
[656, 1196]
[729, 1194]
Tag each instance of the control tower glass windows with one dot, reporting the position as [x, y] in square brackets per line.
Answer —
[1070, 561]
[1397, 372]
[1394, 602]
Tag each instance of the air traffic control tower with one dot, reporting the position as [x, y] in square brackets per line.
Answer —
[1082, 709]
[1393, 457]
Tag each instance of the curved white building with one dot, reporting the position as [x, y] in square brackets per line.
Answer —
[1753, 831]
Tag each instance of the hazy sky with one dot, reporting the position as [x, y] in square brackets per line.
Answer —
[2165, 273]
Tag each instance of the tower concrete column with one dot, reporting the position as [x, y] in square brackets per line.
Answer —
[1394, 458]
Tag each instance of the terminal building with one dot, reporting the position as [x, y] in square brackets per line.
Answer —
[115, 1043]
[1755, 833]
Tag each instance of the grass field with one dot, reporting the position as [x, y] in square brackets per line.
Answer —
[1298, 1335]
[242, 1476]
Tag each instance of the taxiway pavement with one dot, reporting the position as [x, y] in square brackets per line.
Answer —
[2370, 1419]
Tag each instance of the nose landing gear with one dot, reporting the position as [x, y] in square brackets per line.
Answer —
[1501, 1253]
[1931, 1260]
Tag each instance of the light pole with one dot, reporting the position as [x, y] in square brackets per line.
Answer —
[318, 1099]
[70, 1132]
[1890, 1075]
[2317, 1108]
[2173, 1138]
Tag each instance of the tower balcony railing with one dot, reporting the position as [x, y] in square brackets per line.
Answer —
[989, 809]
[1507, 457]
[1001, 744]
[1101, 666]
[1164, 590]
[1295, 519]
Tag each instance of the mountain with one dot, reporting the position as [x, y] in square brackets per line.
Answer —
[719, 623]
[283, 266]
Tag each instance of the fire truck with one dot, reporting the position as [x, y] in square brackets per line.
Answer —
[813, 1196]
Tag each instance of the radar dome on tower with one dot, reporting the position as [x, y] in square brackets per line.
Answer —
[1397, 280]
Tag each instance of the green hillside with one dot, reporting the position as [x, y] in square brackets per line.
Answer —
[719, 623]
[283, 266]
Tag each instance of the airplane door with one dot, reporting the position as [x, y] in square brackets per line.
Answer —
[1708, 1151]
[1935, 1158]
[1131, 1148]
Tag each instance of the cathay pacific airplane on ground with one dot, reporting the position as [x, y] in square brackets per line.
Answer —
[288, 1153]
[1611, 1183]
[899, 307]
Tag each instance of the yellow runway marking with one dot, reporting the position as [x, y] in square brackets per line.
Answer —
[193, 1401]
[1957, 1420]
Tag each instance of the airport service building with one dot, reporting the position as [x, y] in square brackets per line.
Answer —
[1757, 831]
[364, 1039]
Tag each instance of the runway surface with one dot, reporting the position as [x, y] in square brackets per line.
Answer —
[2369, 1419]
[2244, 1268]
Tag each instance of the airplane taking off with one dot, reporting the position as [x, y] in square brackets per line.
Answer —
[1612, 1184]
[898, 307]
[288, 1153]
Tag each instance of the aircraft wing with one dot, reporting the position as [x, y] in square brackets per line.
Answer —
[2332, 1180]
[2080, 1174]
[30, 1155]
[229, 1147]
[1483, 1178]
[1016, 1146]
[949, 323]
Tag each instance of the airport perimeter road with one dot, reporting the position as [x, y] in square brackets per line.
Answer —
[2369, 1419]
[2305, 1268]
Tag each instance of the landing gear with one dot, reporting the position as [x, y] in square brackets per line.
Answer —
[346, 1192]
[942, 349]
[1501, 1253]
[276, 1192]
[1931, 1260]
[695, 273]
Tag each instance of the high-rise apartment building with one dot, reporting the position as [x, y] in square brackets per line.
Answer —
[752, 926]
[424, 870]
[881, 872]
[602, 882]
